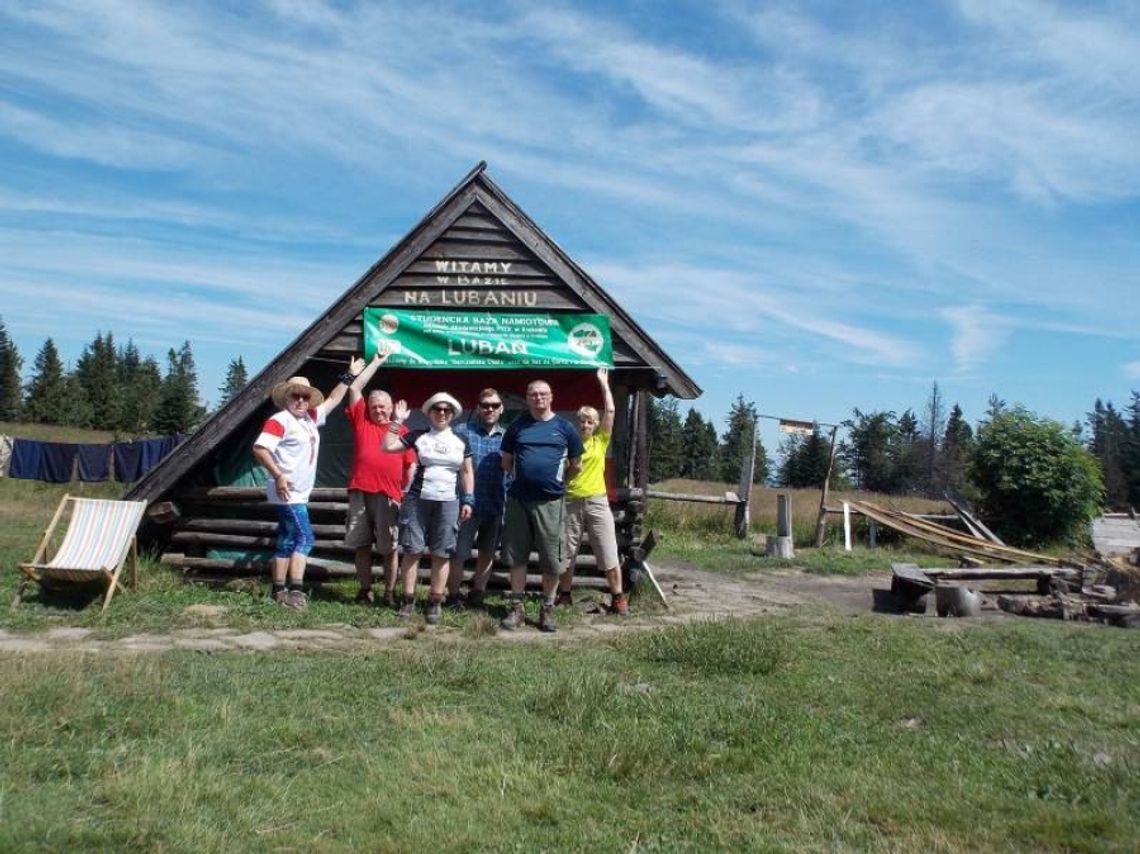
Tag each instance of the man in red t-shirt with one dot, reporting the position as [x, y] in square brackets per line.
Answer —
[376, 484]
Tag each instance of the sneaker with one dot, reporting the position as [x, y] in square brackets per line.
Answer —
[408, 609]
[434, 613]
[296, 599]
[475, 598]
[620, 605]
[390, 599]
[546, 619]
[366, 597]
[454, 602]
[565, 599]
[515, 617]
[279, 596]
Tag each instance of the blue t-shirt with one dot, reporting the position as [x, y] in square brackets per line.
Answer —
[541, 449]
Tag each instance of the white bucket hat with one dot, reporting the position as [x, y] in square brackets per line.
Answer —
[282, 390]
[442, 397]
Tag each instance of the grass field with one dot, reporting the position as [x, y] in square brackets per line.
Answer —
[800, 731]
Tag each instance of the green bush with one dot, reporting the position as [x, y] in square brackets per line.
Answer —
[1037, 482]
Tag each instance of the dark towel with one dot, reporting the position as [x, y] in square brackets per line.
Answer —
[94, 462]
[27, 459]
[58, 461]
[128, 461]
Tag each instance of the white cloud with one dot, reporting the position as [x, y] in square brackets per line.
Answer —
[1131, 370]
[976, 335]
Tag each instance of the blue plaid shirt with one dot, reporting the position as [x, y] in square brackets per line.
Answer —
[487, 460]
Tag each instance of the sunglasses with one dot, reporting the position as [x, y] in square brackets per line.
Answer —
[302, 397]
[490, 405]
[446, 410]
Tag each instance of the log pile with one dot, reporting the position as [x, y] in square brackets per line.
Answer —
[239, 519]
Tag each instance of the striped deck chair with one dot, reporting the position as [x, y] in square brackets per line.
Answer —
[100, 537]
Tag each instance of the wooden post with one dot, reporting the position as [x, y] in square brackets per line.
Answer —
[821, 520]
[747, 472]
[846, 527]
[873, 536]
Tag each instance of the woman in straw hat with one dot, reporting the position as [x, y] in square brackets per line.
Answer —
[440, 497]
[287, 447]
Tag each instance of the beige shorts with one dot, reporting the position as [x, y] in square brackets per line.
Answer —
[592, 518]
[373, 517]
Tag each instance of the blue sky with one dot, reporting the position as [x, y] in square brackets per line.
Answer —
[819, 205]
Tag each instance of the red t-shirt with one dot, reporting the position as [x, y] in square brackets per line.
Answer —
[373, 468]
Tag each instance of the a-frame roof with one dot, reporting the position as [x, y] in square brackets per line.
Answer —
[476, 220]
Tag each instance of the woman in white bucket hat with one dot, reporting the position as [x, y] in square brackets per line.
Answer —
[440, 497]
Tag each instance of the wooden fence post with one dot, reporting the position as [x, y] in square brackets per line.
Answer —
[821, 520]
[744, 492]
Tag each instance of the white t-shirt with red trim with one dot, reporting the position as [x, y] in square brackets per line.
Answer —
[294, 443]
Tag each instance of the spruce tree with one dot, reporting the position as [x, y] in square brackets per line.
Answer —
[664, 424]
[179, 409]
[1108, 444]
[699, 448]
[739, 434]
[957, 444]
[236, 380]
[46, 394]
[97, 373]
[11, 390]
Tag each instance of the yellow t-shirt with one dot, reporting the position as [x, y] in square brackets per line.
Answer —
[591, 480]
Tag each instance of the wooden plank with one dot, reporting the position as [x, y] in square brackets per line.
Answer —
[700, 499]
[974, 524]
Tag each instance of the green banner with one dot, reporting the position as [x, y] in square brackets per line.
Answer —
[484, 339]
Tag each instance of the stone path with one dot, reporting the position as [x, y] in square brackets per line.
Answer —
[692, 595]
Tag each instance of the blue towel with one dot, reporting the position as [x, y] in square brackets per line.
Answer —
[128, 461]
[94, 462]
[58, 461]
[27, 459]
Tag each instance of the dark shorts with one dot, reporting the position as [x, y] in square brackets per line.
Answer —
[538, 526]
[480, 533]
[428, 526]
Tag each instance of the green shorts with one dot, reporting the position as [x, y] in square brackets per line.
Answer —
[537, 526]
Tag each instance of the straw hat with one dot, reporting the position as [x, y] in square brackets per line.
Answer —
[282, 390]
[442, 397]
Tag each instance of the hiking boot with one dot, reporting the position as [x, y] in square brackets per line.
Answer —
[454, 602]
[619, 605]
[279, 596]
[296, 599]
[434, 613]
[408, 609]
[565, 599]
[515, 617]
[389, 598]
[475, 598]
[366, 597]
[546, 619]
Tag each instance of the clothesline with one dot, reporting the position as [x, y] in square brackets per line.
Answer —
[63, 462]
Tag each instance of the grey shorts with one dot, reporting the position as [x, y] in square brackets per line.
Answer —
[592, 519]
[428, 526]
[538, 525]
[480, 533]
[373, 517]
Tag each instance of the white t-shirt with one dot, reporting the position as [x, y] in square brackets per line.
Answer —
[294, 443]
[440, 455]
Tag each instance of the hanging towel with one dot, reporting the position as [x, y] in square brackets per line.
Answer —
[128, 459]
[5, 454]
[27, 459]
[94, 463]
[58, 461]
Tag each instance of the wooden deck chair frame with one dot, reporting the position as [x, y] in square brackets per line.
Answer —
[84, 538]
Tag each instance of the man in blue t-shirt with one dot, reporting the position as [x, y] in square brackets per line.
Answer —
[542, 450]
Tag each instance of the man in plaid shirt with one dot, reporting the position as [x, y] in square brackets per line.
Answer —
[485, 436]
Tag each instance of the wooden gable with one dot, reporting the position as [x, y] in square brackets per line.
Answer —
[476, 250]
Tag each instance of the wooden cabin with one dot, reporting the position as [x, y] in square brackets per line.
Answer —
[476, 251]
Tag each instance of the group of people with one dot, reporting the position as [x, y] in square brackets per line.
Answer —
[445, 490]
